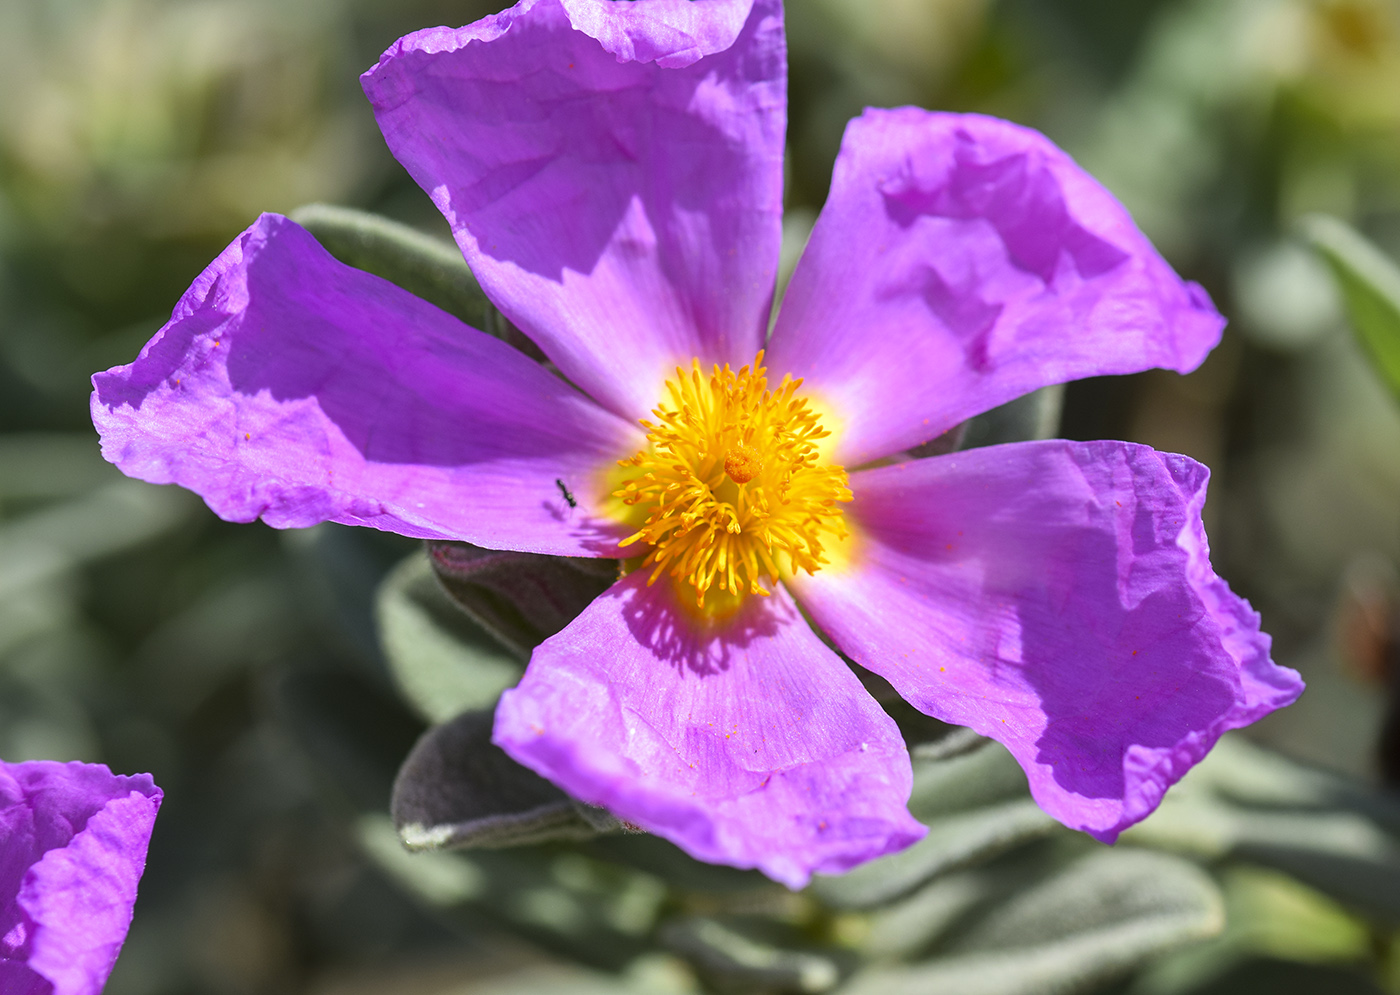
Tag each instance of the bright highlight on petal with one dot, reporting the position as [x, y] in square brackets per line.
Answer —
[732, 484]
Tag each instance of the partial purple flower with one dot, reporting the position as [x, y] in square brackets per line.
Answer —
[72, 848]
[613, 174]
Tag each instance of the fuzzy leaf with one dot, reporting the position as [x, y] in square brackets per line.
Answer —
[955, 743]
[1095, 920]
[562, 902]
[1340, 853]
[1252, 776]
[432, 268]
[975, 805]
[443, 661]
[960, 773]
[444, 880]
[520, 598]
[457, 790]
[953, 842]
[900, 930]
[1247, 804]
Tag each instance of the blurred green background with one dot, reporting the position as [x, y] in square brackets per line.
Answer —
[240, 665]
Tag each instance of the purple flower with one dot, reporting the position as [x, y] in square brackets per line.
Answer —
[72, 848]
[613, 173]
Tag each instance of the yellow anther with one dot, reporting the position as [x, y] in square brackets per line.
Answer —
[732, 484]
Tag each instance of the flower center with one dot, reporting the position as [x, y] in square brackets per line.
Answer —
[731, 483]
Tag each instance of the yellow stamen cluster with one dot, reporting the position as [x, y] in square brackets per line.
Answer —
[731, 483]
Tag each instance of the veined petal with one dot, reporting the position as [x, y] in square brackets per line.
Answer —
[612, 171]
[962, 261]
[73, 843]
[291, 387]
[746, 743]
[1057, 597]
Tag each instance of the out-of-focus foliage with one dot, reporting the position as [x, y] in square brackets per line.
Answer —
[251, 672]
[1370, 285]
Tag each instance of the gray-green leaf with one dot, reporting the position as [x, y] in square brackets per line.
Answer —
[975, 805]
[429, 267]
[1093, 921]
[1370, 284]
[1244, 803]
[457, 789]
[952, 842]
[443, 662]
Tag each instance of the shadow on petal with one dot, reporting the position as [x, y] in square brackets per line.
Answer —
[1056, 597]
[692, 640]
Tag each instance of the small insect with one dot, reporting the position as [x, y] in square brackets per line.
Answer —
[565, 491]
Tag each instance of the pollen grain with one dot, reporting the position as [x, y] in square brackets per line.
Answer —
[732, 484]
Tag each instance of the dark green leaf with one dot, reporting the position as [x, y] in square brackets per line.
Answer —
[566, 979]
[668, 862]
[354, 728]
[1278, 976]
[1370, 284]
[520, 598]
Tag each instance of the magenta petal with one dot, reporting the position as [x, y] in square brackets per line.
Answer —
[612, 171]
[672, 33]
[752, 745]
[72, 848]
[1057, 597]
[962, 261]
[291, 387]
